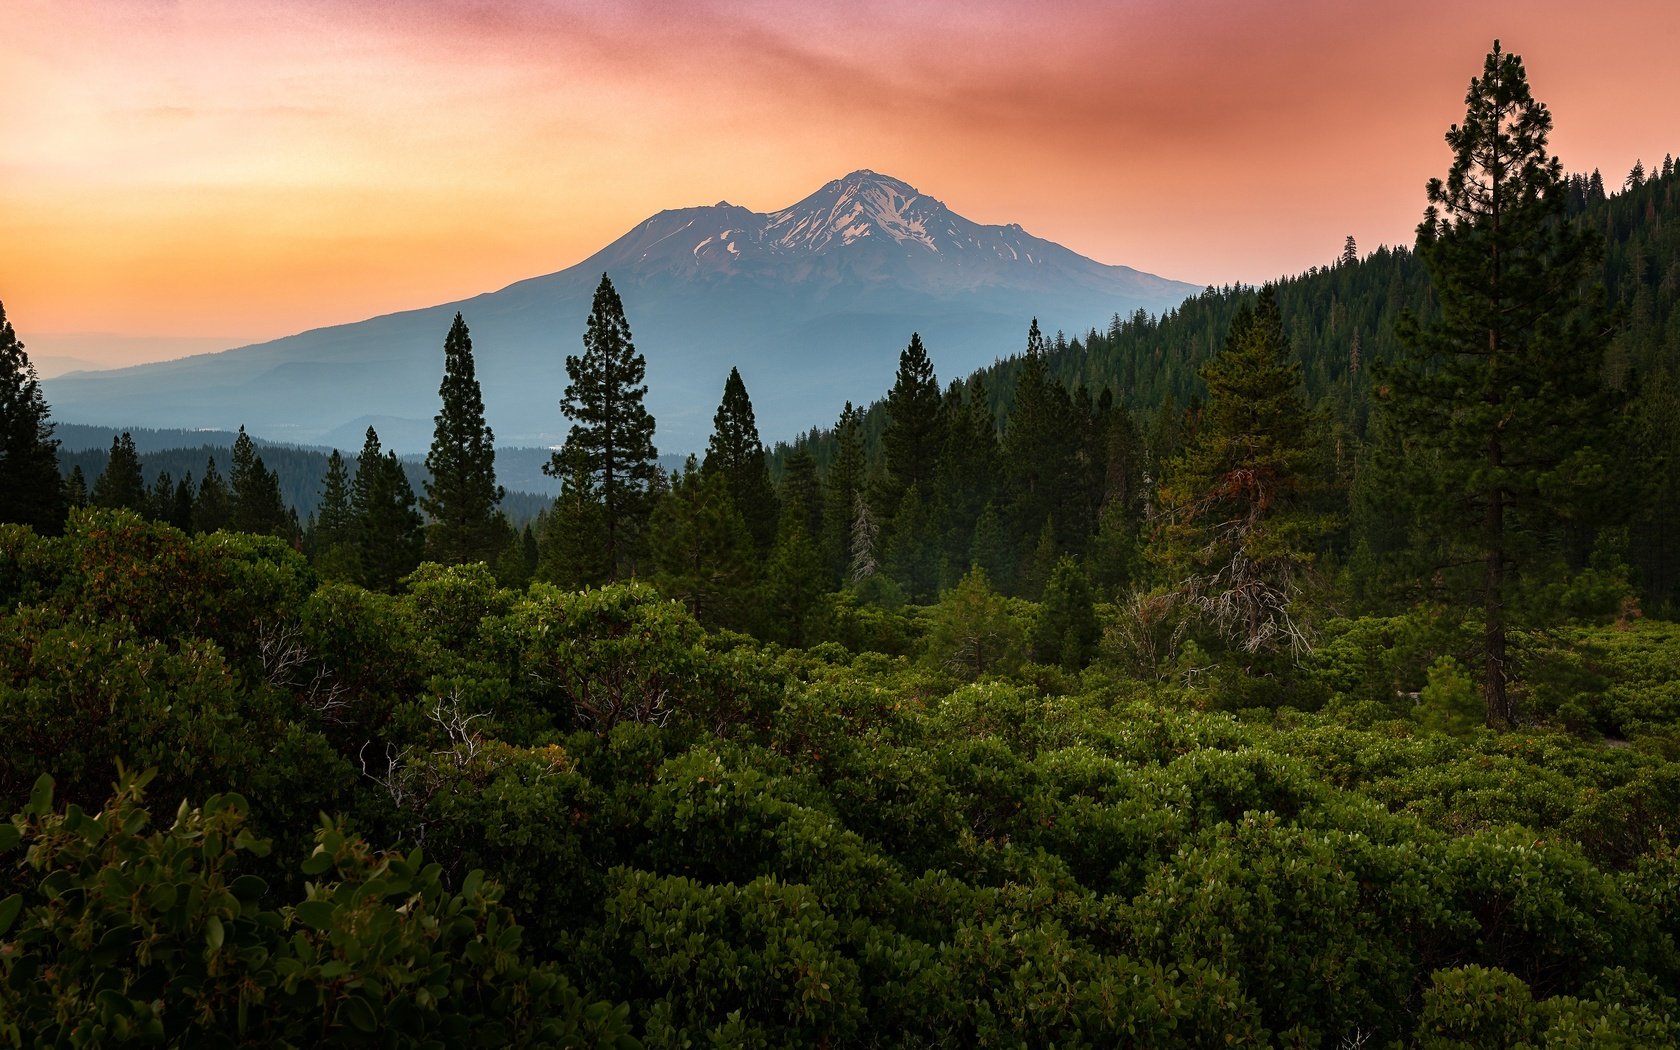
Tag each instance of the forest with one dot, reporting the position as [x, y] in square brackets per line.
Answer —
[1296, 668]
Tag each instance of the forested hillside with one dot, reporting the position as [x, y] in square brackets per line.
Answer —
[1298, 668]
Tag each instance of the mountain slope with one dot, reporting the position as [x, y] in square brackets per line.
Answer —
[812, 302]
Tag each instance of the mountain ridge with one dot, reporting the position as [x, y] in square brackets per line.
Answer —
[812, 302]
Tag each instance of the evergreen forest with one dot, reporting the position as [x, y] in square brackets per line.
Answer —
[1299, 668]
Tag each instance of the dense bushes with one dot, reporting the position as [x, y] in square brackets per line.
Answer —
[756, 846]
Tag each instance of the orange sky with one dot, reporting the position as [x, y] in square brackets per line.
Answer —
[185, 173]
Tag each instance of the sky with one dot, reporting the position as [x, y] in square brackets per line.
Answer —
[184, 175]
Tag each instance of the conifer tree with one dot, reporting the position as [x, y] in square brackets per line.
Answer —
[572, 550]
[120, 485]
[160, 501]
[611, 440]
[702, 553]
[843, 485]
[1234, 532]
[334, 520]
[390, 534]
[1504, 419]
[802, 489]
[967, 477]
[255, 503]
[735, 452]
[461, 491]
[31, 490]
[210, 510]
[1039, 446]
[75, 488]
[910, 555]
[989, 550]
[181, 504]
[1066, 630]
[912, 440]
[794, 582]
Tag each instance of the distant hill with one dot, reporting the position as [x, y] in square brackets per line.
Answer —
[813, 303]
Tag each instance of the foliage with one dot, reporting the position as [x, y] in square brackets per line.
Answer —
[132, 934]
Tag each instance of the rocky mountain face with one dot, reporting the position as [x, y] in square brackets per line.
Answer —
[812, 302]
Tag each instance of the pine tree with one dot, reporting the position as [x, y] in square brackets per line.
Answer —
[461, 492]
[181, 504]
[31, 490]
[1040, 443]
[702, 553]
[611, 439]
[390, 534]
[912, 440]
[794, 582]
[910, 554]
[334, 520]
[735, 452]
[802, 490]
[120, 485]
[572, 549]
[160, 501]
[75, 488]
[1503, 417]
[967, 476]
[1066, 630]
[842, 487]
[210, 510]
[255, 503]
[1233, 531]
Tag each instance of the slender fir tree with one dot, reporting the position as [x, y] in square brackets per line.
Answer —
[254, 492]
[461, 491]
[912, 441]
[210, 510]
[735, 452]
[390, 534]
[31, 491]
[842, 487]
[611, 439]
[120, 485]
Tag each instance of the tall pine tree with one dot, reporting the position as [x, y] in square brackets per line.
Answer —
[461, 492]
[611, 441]
[1505, 422]
[735, 452]
[31, 491]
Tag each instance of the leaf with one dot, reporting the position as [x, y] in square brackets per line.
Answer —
[10, 836]
[213, 933]
[40, 796]
[248, 887]
[318, 862]
[9, 909]
[360, 1014]
[317, 914]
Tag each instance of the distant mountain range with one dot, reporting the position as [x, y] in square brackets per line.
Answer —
[813, 303]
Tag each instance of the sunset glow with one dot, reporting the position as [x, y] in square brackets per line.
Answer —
[225, 170]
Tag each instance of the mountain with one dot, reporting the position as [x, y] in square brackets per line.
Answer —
[813, 303]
